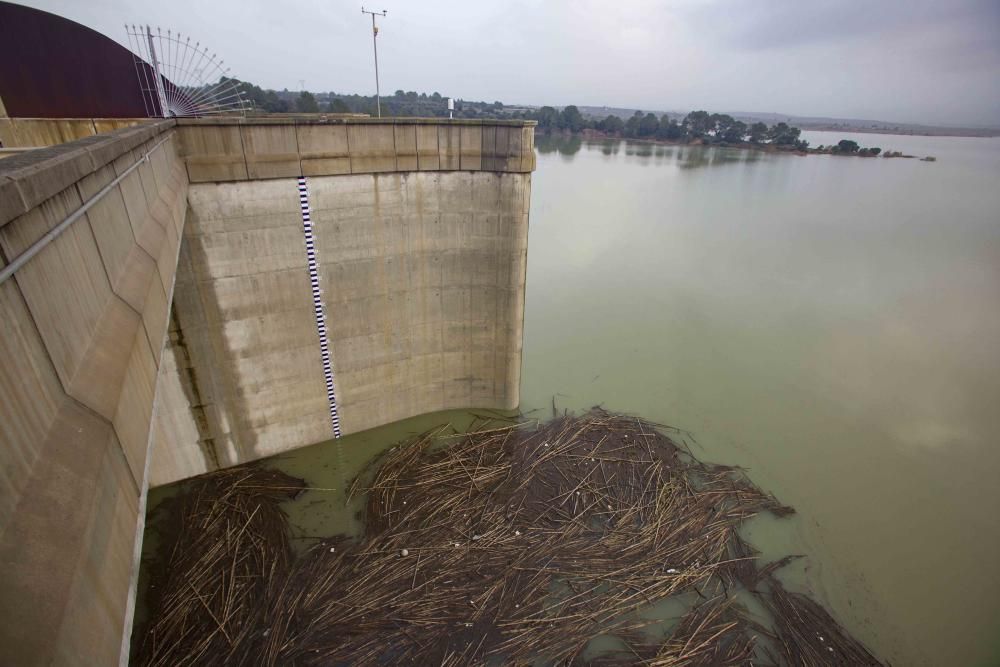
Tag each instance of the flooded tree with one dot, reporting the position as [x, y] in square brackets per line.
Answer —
[846, 146]
[699, 123]
[571, 119]
[758, 132]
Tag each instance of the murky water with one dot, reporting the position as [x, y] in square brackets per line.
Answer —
[833, 324]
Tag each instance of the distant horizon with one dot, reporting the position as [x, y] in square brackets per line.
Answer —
[669, 110]
[920, 61]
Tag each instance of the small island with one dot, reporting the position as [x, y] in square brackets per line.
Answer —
[848, 147]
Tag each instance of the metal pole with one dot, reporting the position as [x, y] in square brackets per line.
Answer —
[160, 93]
[378, 96]
[40, 244]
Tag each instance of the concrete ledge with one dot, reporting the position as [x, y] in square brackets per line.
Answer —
[29, 179]
[37, 132]
[43, 173]
[218, 150]
[323, 119]
[11, 202]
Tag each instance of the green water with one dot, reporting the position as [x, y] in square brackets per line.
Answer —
[832, 324]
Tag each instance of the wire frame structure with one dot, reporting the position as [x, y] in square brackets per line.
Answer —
[178, 78]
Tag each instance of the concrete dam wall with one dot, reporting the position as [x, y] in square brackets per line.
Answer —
[422, 283]
[325, 276]
[83, 323]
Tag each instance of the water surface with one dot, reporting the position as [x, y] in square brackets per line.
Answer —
[831, 323]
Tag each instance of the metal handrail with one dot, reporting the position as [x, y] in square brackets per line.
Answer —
[38, 245]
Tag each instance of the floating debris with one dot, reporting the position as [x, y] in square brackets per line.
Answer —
[231, 545]
[583, 570]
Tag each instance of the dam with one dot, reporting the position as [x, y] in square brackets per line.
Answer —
[217, 332]
[184, 295]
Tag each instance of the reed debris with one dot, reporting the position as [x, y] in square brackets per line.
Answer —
[505, 545]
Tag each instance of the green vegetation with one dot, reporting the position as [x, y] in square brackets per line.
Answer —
[400, 103]
[848, 147]
[697, 127]
[306, 102]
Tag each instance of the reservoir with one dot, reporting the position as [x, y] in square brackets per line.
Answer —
[829, 323]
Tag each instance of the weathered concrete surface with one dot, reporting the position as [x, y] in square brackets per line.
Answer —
[423, 283]
[81, 329]
[38, 132]
[422, 276]
[421, 229]
[232, 149]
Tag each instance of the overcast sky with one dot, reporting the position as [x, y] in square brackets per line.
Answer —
[931, 61]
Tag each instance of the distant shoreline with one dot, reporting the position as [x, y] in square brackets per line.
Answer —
[930, 131]
[590, 134]
[821, 124]
[597, 135]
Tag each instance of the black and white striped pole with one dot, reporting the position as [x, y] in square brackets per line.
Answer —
[317, 297]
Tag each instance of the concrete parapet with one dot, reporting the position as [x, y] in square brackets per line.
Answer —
[428, 155]
[405, 137]
[471, 148]
[83, 324]
[213, 153]
[235, 149]
[373, 148]
[449, 147]
[39, 132]
[271, 151]
[323, 149]
[29, 179]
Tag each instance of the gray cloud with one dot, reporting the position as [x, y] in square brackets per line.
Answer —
[905, 60]
[789, 23]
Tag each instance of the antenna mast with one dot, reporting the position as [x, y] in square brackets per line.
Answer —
[378, 96]
[178, 78]
[161, 94]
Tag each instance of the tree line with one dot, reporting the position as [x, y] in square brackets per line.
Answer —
[848, 147]
[700, 126]
[399, 103]
[696, 127]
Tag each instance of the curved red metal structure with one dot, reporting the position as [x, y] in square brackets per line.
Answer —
[51, 67]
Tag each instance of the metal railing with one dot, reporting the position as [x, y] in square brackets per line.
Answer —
[40, 244]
